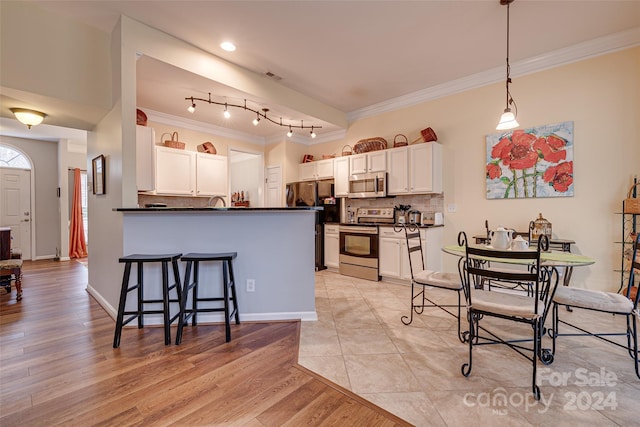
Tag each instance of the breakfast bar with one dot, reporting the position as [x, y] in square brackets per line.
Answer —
[275, 248]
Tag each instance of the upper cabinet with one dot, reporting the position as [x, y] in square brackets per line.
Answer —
[415, 169]
[368, 162]
[211, 175]
[145, 166]
[311, 171]
[175, 171]
[341, 177]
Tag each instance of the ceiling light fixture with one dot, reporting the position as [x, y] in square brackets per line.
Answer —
[259, 114]
[191, 107]
[228, 46]
[508, 118]
[28, 117]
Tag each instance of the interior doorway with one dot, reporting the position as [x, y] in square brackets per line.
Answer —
[246, 177]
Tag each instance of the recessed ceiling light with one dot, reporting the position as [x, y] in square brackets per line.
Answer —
[228, 46]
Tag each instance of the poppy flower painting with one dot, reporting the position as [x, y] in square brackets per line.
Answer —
[528, 163]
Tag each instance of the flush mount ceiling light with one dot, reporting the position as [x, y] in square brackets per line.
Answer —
[28, 117]
[508, 118]
[259, 114]
[228, 46]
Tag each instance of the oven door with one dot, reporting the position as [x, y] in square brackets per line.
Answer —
[359, 252]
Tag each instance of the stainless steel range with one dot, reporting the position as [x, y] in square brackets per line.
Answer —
[359, 243]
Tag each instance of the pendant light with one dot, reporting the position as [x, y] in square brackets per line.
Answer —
[508, 118]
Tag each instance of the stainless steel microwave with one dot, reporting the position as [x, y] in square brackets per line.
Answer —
[368, 185]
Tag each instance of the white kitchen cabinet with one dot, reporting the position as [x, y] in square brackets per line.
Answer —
[398, 175]
[311, 171]
[389, 257]
[416, 169]
[175, 171]
[332, 246]
[145, 164]
[375, 161]
[432, 246]
[341, 177]
[393, 260]
[211, 175]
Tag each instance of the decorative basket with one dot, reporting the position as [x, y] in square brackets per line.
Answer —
[347, 150]
[370, 144]
[632, 205]
[426, 135]
[328, 156]
[307, 158]
[207, 147]
[173, 143]
[398, 140]
[141, 117]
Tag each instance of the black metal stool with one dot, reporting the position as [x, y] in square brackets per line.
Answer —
[140, 259]
[193, 260]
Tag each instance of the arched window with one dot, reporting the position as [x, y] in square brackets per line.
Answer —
[11, 158]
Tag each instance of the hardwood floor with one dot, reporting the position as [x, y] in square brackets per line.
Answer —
[58, 367]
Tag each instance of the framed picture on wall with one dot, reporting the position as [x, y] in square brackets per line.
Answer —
[99, 178]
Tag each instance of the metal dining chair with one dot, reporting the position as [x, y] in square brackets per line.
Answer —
[516, 306]
[422, 280]
[604, 302]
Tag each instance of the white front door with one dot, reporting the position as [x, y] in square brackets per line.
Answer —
[15, 207]
[274, 187]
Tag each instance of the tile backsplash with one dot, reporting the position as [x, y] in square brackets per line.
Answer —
[418, 202]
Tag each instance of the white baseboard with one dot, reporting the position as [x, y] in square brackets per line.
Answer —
[111, 311]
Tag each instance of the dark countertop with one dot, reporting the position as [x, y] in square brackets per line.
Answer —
[225, 209]
[379, 225]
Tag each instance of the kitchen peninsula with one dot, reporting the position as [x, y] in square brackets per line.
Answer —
[275, 247]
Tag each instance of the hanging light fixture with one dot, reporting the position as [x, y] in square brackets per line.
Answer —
[192, 107]
[28, 117]
[290, 133]
[313, 134]
[508, 118]
[256, 121]
[226, 113]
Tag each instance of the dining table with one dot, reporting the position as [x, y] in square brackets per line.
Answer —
[565, 261]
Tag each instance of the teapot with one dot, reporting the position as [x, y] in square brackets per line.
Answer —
[519, 244]
[501, 238]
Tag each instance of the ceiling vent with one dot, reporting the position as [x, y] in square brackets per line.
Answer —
[272, 76]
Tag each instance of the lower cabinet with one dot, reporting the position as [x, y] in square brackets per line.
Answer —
[393, 257]
[332, 246]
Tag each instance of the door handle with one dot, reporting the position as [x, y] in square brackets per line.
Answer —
[25, 220]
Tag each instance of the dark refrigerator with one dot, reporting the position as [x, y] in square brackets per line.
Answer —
[316, 193]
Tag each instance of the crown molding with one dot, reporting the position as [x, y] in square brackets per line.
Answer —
[579, 52]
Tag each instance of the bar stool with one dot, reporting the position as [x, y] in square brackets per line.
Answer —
[193, 260]
[140, 260]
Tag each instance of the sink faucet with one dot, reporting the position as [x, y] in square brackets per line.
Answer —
[216, 198]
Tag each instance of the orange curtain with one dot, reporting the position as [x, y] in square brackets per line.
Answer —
[77, 245]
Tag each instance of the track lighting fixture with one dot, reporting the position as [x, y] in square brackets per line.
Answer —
[508, 119]
[259, 114]
[191, 107]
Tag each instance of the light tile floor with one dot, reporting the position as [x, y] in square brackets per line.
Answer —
[414, 372]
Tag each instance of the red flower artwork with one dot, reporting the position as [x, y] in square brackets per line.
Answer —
[523, 163]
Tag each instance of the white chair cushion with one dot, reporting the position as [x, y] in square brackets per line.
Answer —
[438, 279]
[505, 304]
[592, 299]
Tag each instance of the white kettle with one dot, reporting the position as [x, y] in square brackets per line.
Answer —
[501, 238]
